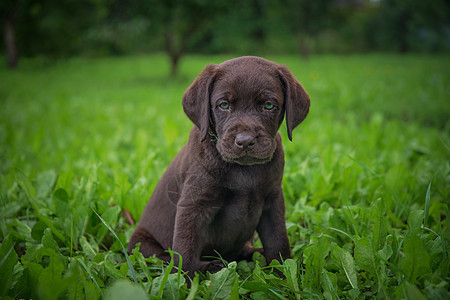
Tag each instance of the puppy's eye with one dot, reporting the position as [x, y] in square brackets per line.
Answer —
[269, 106]
[224, 105]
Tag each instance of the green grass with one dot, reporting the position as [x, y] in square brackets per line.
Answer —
[366, 180]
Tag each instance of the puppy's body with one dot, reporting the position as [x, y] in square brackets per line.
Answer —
[218, 191]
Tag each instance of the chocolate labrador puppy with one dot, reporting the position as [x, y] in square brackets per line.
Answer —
[225, 184]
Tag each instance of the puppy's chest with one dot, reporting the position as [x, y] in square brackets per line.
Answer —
[239, 214]
[247, 182]
[242, 196]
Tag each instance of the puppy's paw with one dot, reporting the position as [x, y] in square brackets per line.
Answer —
[212, 266]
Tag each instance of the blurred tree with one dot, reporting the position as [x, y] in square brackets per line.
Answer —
[10, 10]
[47, 27]
[56, 28]
[409, 25]
[304, 19]
[180, 20]
[242, 27]
[177, 21]
[60, 24]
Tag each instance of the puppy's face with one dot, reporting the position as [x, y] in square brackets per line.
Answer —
[247, 107]
[243, 102]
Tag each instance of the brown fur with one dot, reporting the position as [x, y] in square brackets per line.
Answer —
[216, 193]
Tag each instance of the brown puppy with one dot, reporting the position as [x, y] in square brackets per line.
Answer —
[226, 182]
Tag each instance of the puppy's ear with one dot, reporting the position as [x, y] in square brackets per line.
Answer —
[296, 100]
[196, 99]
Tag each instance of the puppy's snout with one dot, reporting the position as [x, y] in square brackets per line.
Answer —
[245, 141]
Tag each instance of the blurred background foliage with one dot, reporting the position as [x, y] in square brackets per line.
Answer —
[61, 28]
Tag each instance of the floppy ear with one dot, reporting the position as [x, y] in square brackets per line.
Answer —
[196, 99]
[296, 100]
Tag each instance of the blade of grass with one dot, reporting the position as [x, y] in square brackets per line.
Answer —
[141, 262]
[340, 231]
[397, 254]
[363, 165]
[443, 143]
[89, 273]
[166, 277]
[431, 230]
[427, 201]
[352, 220]
[180, 264]
[130, 265]
[6, 256]
[71, 236]
[194, 288]
[444, 245]
[278, 295]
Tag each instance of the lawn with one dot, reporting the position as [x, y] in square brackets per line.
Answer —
[366, 180]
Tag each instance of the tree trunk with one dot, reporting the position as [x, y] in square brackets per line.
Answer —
[303, 45]
[174, 49]
[10, 43]
[174, 59]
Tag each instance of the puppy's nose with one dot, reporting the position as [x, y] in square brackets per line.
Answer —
[245, 141]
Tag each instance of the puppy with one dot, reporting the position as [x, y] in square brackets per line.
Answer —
[225, 183]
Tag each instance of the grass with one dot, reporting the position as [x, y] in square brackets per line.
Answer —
[366, 180]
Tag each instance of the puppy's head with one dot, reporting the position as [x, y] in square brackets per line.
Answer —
[242, 102]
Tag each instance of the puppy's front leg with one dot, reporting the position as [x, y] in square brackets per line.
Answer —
[190, 235]
[272, 228]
